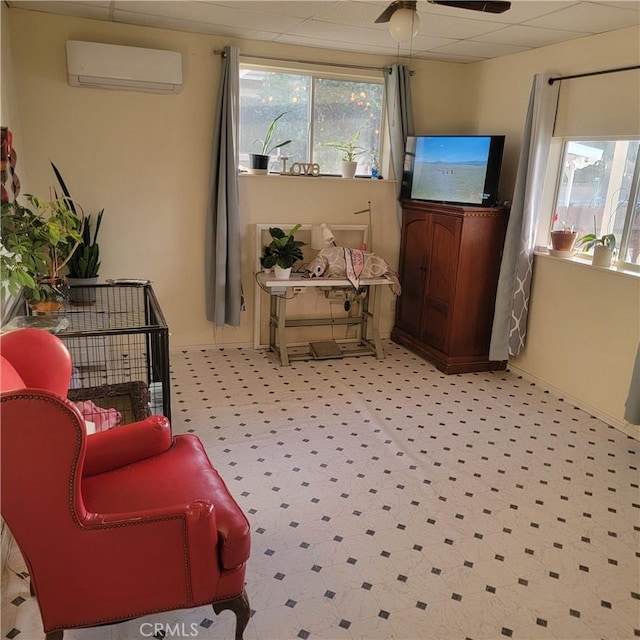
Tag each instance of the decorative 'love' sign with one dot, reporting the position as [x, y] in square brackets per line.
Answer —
[300, 168]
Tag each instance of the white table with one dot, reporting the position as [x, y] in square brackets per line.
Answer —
[368, 320]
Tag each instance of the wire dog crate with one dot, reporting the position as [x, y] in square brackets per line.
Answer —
[118, 338]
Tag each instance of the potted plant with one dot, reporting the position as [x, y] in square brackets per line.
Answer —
[38, 241]
[260, 161]
[84, 265]
[349, 152]
[603, 248]
[562, 240]
[283, 251]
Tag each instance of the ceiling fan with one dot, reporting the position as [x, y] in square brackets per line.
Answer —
[495, 6]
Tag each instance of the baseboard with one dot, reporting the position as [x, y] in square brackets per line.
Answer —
[201, 347]
[242, 345]
[629, 429]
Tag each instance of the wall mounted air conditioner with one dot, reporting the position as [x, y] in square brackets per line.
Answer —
[109, 66]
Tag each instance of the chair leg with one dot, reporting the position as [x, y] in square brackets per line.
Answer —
[239, 605]
[54, 635]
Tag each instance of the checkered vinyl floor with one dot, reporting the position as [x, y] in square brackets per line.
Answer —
[388, 500]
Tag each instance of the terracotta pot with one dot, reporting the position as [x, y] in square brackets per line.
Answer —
[53, 295]
[562, 240]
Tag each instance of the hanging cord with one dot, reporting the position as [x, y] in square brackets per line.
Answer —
[267, 290]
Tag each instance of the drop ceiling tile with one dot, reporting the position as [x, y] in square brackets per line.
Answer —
[161, 22]
[353, 13]
[337, 33]
[629, 5]
[427, 43]
[528, 36]
[450, 57]
[217, 15]
[457, 28]
[480, 49]
[588, 17]
[323, 44]
[95, 10]
[349, 25]
[520, 10]
[297, 9]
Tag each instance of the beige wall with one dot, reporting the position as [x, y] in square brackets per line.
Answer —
[9, 100]
[502, 87]
[584, 323]
[145, 159]
[584, 328]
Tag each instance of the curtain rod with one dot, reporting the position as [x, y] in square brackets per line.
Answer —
[593, 73]
[324, 64]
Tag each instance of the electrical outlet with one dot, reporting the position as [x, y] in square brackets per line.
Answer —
[297, 289]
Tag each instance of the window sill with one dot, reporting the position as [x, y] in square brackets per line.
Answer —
[243, 174]
[585, 262]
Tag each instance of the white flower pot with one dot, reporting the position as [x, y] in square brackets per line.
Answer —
[348, 169]
[602, 256]
[282, 274]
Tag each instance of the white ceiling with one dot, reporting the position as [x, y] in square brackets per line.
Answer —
[447, 34]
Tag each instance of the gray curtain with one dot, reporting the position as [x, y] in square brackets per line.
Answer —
[632, 406]
[514, 284]
[399, 116]
[222, 249]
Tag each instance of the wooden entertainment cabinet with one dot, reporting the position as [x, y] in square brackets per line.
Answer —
[449, 265]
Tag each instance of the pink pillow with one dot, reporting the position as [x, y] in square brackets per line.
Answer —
[103, 419]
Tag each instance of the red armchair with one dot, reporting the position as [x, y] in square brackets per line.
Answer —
[117, 525]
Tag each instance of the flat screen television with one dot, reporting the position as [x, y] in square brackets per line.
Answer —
[462, 170]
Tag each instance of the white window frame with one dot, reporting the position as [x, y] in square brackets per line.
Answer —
[552, 183]
[373, 76]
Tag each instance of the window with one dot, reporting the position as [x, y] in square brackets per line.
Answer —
[318, 110]
[598, 192]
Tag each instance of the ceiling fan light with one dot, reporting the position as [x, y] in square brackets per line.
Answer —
[404, 24]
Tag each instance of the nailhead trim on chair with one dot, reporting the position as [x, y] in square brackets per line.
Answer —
[65, 409]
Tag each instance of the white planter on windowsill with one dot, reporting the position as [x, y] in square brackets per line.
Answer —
[602, 256]
[348, 169]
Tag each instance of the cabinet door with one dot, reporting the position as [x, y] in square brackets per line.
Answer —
[442, 251]
[413, 267]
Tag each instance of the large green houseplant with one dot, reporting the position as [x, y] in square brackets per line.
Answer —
[282, 252]
[38, 240]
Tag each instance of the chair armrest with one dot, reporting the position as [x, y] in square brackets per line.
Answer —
[196, 509]
[197, 534]
[126, 444]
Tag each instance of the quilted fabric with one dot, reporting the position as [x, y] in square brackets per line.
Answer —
[331, 263]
